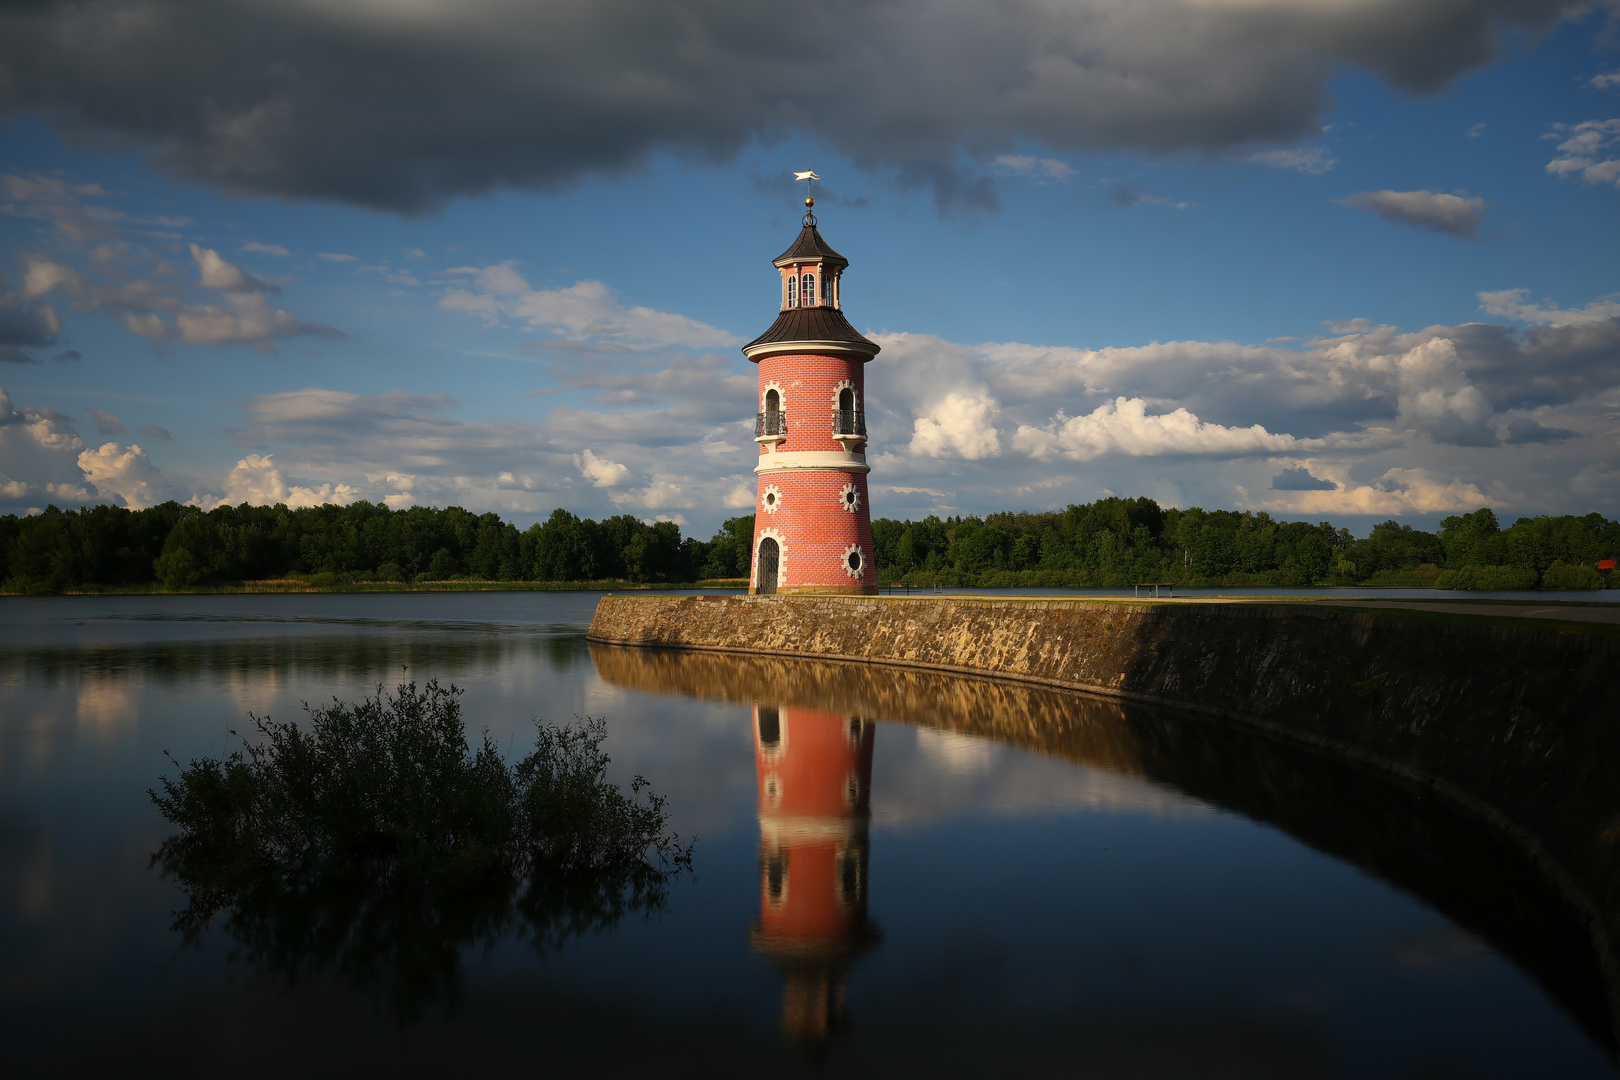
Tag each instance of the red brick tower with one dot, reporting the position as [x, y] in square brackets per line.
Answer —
[812, 522]
[815, 777]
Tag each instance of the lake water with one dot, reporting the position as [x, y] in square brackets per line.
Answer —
[896, 874]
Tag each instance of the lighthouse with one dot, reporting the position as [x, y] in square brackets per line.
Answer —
[812, 521]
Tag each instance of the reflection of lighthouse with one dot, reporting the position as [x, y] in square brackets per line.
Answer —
[815, 774]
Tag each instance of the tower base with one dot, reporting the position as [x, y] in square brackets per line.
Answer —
[819, 590]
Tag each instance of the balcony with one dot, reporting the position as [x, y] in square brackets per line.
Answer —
[770, 427]
[849, 426]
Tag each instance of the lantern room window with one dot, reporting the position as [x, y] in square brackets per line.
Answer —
[793, 292]
[809, 290]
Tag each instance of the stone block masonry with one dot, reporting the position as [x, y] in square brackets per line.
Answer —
[1514, 724]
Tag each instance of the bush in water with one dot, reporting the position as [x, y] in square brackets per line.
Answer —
[376, 843]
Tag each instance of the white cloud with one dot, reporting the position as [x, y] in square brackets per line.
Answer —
[1510, 304]
[601, 472]
[1123, 427]
[959, 425]
[266, 249]
[126, 474]
[1590, 150]
[337, 257]
[1033, 168]
[586, 309]
[257, 481]
[1605, 80]
[245, 318]
[1396, 493]
[1436, 211]
[214, 272]
[41, 275]
[1310, 160]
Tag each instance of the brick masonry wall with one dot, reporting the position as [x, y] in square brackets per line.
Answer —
[810, 522]
[1515, 724]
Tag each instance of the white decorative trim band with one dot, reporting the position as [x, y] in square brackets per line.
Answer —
[842, 460]
[758, 352]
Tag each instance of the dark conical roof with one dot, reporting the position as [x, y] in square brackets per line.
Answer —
[811, 326]
[810, 245]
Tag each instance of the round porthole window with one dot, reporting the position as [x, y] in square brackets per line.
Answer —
[849, 498]
[771, 499]
[854, 561]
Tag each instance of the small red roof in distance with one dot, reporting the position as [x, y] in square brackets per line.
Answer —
[1605, 564]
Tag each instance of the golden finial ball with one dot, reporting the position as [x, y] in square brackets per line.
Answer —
[809, 200]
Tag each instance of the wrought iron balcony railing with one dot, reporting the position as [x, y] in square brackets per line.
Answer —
[849, 423]
[770, 425]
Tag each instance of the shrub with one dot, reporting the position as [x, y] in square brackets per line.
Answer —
[1486, 578]
[378, 843]
[1565, 576]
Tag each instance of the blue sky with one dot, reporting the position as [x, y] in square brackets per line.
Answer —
[1344, 261]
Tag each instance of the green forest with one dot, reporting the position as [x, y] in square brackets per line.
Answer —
[1111, 542]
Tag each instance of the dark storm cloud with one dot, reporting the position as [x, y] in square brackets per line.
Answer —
[24, 326]
[1545, 365]
[1300, 479]
[404, 105]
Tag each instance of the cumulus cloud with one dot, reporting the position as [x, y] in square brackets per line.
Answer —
[125, 474]
[1589, 150]
[1436, 211]
[256, 480]
[102, 267]
[214, 272]
[467, 96]
[586, 309]
[959, 425]
[24, 325]
[600, 471]
[1299, 478]
[244, 318]
[1397, 493]
[1124, 427]
[1511, 304]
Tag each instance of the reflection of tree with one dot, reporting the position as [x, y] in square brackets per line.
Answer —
[376, 845]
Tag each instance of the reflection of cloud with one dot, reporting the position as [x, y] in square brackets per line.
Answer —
[106, 706]
[928, 775]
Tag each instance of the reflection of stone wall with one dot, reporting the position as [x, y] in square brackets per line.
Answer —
[1513, 723]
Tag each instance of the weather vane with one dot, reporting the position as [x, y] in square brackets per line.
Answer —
[809, 177]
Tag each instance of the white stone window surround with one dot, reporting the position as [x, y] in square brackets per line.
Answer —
[781, 556]
[781, 396]
[847, 384]
[771, 499]
[857, 567]
[850, 498]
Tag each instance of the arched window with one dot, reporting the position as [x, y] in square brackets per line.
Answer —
[793, 292]
[846, 400]
[809, 290]
[773, 401]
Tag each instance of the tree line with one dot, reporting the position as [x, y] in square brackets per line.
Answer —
[1111, 542]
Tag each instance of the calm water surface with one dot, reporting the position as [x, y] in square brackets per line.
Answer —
[897, 874]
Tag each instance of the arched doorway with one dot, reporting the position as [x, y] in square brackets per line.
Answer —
[770, 558]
